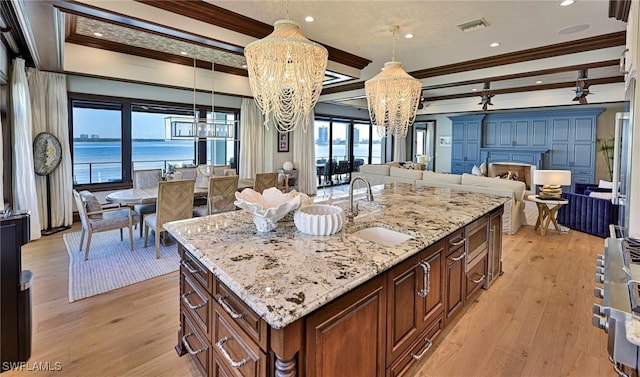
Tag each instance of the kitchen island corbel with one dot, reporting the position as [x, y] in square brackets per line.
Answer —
[284, 303]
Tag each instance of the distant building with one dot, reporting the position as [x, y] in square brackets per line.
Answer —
[323, 135]
[356, 136]
[95, 136]
[84, 136]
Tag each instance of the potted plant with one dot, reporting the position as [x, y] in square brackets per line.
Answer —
[606, 147]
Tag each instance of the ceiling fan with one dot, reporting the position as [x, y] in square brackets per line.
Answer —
[582, 87]
[485, 97]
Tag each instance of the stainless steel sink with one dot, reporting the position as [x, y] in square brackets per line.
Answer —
[382, 236]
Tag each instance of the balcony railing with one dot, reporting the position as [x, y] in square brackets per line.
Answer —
[111, 171]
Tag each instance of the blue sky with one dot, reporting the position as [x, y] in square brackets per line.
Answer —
[107, 124]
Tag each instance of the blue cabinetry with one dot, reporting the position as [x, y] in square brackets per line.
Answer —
[555, 139]
[466, 139]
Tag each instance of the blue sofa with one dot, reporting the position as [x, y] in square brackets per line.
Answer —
[588, 214]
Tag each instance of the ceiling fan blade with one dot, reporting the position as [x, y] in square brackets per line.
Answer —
[576, 98]
[583, 100]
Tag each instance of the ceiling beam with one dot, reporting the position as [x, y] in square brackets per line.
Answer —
[531, 88]
[214, 15]
[619, 9]
[559, 49]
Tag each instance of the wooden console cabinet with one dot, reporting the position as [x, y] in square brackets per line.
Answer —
[380, 328]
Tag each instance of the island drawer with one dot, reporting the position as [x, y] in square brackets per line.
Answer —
[238, 312]
[196, 301]
[476, 275]
[195, 269]
[195, 344]
[477, 235]
[238, 354]
[418, 351]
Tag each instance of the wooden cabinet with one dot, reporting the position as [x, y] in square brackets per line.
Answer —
[347, 337]
[494, 253]
[380, 328]
[415, 298]
[455, 274]
[465, 143]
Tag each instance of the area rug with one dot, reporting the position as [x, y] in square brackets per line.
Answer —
[112, 264]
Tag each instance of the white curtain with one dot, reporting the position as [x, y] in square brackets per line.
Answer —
[49, 110]
[400, 149]
[251, 139]
[24, 183]
[304, 157]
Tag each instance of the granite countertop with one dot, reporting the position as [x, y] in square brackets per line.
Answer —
[284, 274]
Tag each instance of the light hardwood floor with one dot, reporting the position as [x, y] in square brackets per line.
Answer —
[534, 321]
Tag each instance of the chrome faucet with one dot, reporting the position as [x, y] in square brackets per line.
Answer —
[353, 212]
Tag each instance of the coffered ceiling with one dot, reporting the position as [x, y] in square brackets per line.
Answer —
[542, 45]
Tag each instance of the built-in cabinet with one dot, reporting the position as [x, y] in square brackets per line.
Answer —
[559, 140]
[381, 328]
[465, 142]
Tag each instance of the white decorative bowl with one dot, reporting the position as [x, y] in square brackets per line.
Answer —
[319, 219]
[267, 208]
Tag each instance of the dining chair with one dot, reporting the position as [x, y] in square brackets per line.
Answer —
[142, 179]
[95, 219]
[175, 202]
[264, 181]
[221, 196]
[185, 173]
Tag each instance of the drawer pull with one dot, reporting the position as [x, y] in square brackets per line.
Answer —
[220, 345]
[424, 351]
[457, 243]
[427, 278]
[479, 280]
[188, 346]
[222, 300]
[186, 265]
[457, 258]
[185, 299]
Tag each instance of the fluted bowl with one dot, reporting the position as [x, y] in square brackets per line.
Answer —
[319, 219]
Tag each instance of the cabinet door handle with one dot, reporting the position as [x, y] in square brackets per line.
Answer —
[186, 265]
[457, 243]
[185, 299]
[220, 344]
[458, 257]
[186, 344]
[222, 300]
[427, 279]
[480, 279]
[424, 351]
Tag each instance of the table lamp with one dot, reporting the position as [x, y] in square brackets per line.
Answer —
[551, 182]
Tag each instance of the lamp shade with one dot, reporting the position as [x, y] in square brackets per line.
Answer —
[552, 177]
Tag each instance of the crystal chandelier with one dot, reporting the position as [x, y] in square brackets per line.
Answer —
[285, 74]
[393, 97]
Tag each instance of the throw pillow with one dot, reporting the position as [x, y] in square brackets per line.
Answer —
[92, 204]
[601, 195]
[476, 171]
[483, 169]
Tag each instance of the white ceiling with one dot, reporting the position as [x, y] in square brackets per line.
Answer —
[362, 27]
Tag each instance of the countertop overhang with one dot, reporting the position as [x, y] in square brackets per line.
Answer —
[284, 274]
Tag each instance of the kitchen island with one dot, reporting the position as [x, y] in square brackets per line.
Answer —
[285, 303]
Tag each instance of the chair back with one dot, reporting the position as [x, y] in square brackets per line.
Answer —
[186, 173]
[82, 210]
[222, 193]
[264, 181]
[146, 178]
[175, 201]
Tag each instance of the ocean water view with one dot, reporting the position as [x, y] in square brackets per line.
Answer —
[101, 161]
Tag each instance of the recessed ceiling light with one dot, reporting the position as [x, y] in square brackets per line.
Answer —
[538, 82]
[183, 53]
[244, 66]
[97, 34]
[495, 44]
[567, 3]
[408, 35]
[309, 19]
[474, 90]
